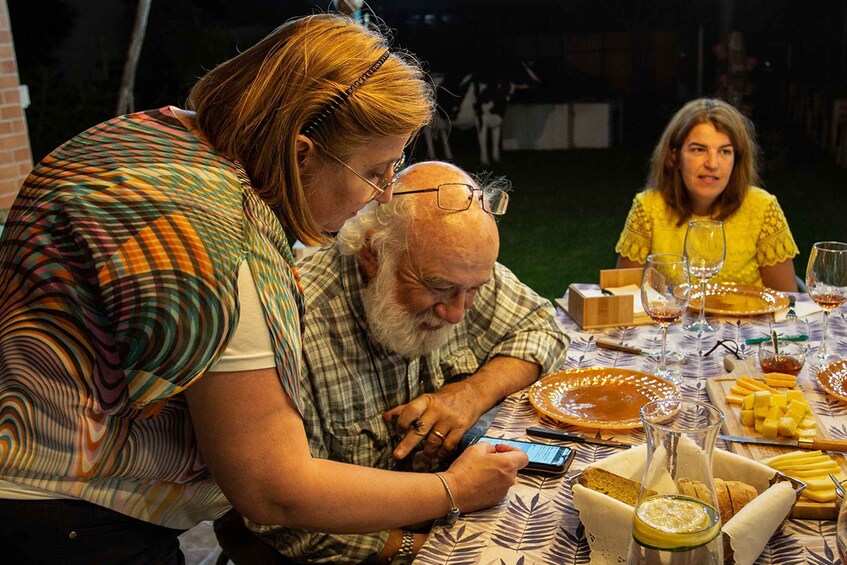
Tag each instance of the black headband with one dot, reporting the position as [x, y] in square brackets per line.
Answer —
[339, 99]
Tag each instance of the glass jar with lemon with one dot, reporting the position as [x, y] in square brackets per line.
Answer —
[676, 518]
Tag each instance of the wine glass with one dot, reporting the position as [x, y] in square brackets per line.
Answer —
[826, 283]
[665, 291]
[705, 248]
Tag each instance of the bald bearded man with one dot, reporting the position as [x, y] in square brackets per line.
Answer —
[413, 331]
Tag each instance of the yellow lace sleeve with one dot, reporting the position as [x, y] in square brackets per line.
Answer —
[776, 244]
[634, 242]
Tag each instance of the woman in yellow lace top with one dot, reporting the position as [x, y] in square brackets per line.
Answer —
[705, 167]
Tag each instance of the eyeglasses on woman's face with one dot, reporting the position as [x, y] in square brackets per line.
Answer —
[458, 196]
[382, 182]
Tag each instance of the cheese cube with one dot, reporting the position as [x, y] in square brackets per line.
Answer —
[807, 423]
[787, 427]
[794, 395]
[775, 412]
[761, 398]
[807, 433]
[761, 411]
[778, 400]
[795, 414]
[748, 402]
[799, 405]
[770, 427]
[748, 417]
[757, 424]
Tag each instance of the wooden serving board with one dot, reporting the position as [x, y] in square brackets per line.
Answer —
[718, 388]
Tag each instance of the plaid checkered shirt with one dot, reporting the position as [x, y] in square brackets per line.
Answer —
[349, 380]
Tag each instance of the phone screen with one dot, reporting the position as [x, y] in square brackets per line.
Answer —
[542, 457]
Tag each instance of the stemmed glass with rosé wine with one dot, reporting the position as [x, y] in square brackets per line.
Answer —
[705, 249]
[826, 283]
[665, 291]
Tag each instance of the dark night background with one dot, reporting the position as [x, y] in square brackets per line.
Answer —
[639, 56]
[643, 52]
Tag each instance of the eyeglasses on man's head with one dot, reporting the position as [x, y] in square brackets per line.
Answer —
[458, 196]
[383, 182]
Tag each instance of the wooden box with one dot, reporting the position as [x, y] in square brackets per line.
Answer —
[604, 311]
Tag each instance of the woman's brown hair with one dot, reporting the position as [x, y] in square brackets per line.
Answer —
[665, 175]
[252, 107]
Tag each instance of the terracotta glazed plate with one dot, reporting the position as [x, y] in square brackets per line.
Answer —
[739, 300]
[833, 379]
[598, 397]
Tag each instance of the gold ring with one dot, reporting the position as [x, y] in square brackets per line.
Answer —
[433, 443]
[438, 434]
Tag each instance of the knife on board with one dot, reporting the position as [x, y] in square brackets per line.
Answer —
[812, 443]
[570, 436]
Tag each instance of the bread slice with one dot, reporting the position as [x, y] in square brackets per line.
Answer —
[732, 495]
[724, 500]
[686, 486]
[693, 488]
[739, 494]
[611, 484]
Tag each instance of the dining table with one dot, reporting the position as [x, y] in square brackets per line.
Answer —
[537, 522]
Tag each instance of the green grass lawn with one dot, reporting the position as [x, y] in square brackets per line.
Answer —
[568, 207]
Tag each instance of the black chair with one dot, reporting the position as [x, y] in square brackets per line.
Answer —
[240, 546]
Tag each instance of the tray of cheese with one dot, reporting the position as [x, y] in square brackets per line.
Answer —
[718, 388]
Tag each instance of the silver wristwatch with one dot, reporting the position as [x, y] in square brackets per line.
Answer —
[405, 555]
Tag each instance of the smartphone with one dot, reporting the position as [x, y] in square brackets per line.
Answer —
[555, 459]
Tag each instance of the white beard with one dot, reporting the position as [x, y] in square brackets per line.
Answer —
[394, 328]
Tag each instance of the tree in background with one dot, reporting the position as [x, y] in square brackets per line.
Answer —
[126, 98]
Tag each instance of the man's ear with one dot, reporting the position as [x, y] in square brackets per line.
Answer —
[368, 257]
[304, 147]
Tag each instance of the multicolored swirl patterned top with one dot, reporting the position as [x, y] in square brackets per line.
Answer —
[118, 289]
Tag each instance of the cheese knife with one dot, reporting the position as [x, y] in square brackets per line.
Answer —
[811, 443]
[577, 438]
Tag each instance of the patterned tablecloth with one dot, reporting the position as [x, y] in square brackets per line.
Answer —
[537, 522]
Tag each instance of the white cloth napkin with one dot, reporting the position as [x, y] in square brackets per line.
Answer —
[608, 522]
[802, 309]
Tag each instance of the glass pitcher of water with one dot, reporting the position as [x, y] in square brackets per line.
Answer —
[676, 519]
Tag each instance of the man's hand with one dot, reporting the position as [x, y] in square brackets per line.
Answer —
[439, 420]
